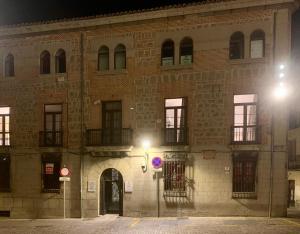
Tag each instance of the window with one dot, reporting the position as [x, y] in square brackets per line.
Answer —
[245, 119]
[294, 119]
[244, 174]
[236, 47]
[4, 126]
[186, 51]
[9, 65]
[4, 173]
[167, 53]
[52, 134]
[292, 157]
[112, 122]
[175, 130]
[50, 172]
[120, 57]
[45, 62]
[60, 61]
[174, 177]
[103, 58]
[257, 44]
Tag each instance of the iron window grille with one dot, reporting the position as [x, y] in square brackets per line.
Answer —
[244, 175]
[51, 164]
[4, 173]
[174, 178]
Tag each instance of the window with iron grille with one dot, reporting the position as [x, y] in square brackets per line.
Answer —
[257, 44]
[174, 177]
[186, 51]
[4, 173]
[244, 175]
[4, 126]
[60, 61]
[103, 58]
[175, 131]
[50, 172]
[120, 57]
[245, 119]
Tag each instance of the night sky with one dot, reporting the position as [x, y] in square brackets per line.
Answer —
[18, 11]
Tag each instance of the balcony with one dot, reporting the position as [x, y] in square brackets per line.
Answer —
[245, 134]
[175, 136]
[109, 137]
[51, 138]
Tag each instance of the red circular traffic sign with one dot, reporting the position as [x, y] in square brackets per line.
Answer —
[65, 171]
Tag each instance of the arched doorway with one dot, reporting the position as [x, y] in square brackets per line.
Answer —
[111, 192]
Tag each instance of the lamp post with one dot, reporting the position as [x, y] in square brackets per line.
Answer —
[280, 92]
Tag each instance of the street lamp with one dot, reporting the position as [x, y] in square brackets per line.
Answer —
[280, 92]
[146, 146]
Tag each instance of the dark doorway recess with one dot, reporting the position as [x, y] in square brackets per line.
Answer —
[111, 192]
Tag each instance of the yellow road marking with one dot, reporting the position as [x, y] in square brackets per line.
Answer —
[292, 222]
[135, 222]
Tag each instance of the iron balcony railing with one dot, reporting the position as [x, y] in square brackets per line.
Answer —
[175, 136]
[245, 134]
[109, 137]
[51, 138]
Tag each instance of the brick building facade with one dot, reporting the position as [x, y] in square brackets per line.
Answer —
[194, 80]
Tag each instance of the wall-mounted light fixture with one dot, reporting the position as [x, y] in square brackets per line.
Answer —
[146, 146]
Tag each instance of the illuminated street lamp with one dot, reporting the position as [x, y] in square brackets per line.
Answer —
[146, 146]
[280, 92]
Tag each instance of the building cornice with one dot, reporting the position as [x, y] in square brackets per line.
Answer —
[134, 16]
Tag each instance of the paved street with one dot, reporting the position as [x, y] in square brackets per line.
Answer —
[114, 224]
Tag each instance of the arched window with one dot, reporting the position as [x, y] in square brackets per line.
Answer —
[186, 51]
[236, 47]
[120, 57]
[60, 61]
[257, 44]
[45, 62]
[167, 53]
[9, 65]
[103, 58]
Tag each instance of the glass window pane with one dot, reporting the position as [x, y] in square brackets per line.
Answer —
[174, 102]
[4, 110]
[103, 62]
[53, 108]
[251, 115]
[238, 115]
[170, 118]
[120, 60]
[49, 122]
[257, 49]
[1, 124]
[6, 124]
[7, 139]
[247, 98]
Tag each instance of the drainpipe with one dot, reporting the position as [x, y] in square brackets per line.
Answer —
[81, 84]
[272, 125]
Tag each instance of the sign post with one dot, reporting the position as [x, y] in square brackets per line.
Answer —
[157, 166]
[65, 176]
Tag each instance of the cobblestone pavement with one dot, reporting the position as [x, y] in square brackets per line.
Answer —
[114, 224]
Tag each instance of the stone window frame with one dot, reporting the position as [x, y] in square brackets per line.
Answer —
[56, 159]
[245, 158]
[60, 56]
[255, 35]
[5, 160]
[99, 58]
[237, 39]
[9, 65]
[45, 69]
